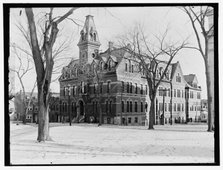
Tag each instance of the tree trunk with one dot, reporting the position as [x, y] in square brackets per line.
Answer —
[210, 97]
[43, 118]
[151, 113]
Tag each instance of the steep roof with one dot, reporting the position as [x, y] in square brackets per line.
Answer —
[174, 67]
[189, 78]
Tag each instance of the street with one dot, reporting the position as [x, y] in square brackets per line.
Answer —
[88, 143]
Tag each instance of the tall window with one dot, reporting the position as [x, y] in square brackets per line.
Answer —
[136, 109]
[175, 107]
[108, 87]
[101, 87]
[127, 106]
[146, 107]
[110, 107]
[141, 106]
[106, 107]
[182, 107]
[198, 95]
[126, 67]
[169, 106]
[130, 87]
[123, 86]
[132, 68]
[160, 91]
[127, 87]
[178, 107]
[130, 106]
[165, 106]
[123, 106]
[178, 78]
[146, 90]
[136, 89]
[178, 93]
[174, 92]
[141, 90]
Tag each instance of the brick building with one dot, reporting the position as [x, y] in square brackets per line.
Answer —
[120, 89]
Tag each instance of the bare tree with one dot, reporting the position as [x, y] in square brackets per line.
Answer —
[198, 17]
[44, 62]
[149, 57]
[21, 72]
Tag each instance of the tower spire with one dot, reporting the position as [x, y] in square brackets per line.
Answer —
[89, 41]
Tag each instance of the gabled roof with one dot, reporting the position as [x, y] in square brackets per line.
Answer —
[174, 67]
[189, 78]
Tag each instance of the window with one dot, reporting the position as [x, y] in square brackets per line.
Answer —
[126, 67]
[169, 106]
[64, 91]
[129, 120]
[136, 89]
[178, 107]
[141, 106]
[174, 92]
[130, 106]
[106, 106]
[127, 106]
[94, 88]
[136, 105]
[130, 87]
[175, 107]
[160, 91]
[178, 93]
[146, 90]
[165, 107]
[101, 87]
[127, 87]
[108, 87]
[132, 68]
[136, 119]
[198, 95]
[141, 90]
[110, 108]
[123, 86]
[123, 106]
[178, 78]
[182, 107]
[146, 107]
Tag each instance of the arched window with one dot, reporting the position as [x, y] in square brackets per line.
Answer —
[136, 107]
[94, 36]
[130, 106]
[141, 106]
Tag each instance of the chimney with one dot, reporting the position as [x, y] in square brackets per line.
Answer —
[110, 45]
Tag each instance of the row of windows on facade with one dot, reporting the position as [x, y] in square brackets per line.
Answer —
[130, 68]
[177, 107]
[135, 120]
[129, 106]
[102, 66]
[177, 93]
[84, 88]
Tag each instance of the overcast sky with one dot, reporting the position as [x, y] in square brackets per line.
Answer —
[113, 22]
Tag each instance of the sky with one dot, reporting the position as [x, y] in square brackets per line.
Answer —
[111, 23]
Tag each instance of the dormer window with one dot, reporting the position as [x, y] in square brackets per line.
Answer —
[178, 78]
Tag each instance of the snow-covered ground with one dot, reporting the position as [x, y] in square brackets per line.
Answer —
[88, 143]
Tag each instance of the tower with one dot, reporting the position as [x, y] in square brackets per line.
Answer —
[89, 42]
